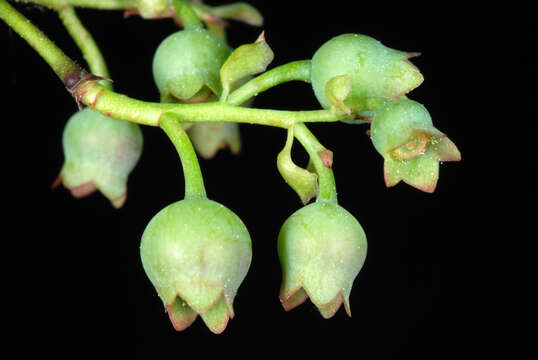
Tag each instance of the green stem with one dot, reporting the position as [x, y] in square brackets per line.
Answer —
[186, 15]
[194, 182]
[239, 11]
[296, 70]
[93, 4]
[327, 185]
[60, 63]
[147, 113]
[123, 107]
[86, 44]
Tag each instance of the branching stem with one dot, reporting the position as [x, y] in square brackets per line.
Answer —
[61, 64]
[123, 107]
[85, 42]
[299, 71]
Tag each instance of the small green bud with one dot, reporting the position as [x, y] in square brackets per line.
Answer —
[377, 72]
[100, 152]
[188, 60]
[402, 132]
[196, 252]
[321, 248]
[246, 60]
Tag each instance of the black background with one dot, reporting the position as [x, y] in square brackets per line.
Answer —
[420, 293]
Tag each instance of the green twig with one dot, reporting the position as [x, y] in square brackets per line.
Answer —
[327, 184]
[123, 107]
[66, 69]
[300, 71]
[87, 91]
[186, 15]
[296, 70]
[86, 44]
[92, 4]
[194, 182]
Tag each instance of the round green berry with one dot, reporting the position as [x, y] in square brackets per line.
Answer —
[196, 252]
[376, 72]
[188, 60]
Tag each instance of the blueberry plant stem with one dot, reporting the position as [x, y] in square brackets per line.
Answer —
[194, 182]
[123, 107]
[85, 42]
[92, 4]
[91, 93]
[296, 70]
[60, 63]
[299, 71]
[186, 15]
[326, 182]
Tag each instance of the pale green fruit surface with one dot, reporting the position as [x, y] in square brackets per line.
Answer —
[395, 121]
[377, 72]
[403, 133]
[100, 150]
[322, 248]
[186, 61]
[198, 250]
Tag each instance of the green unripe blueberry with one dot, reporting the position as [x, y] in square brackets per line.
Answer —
[188, 60]
[402, 132]
[196, 252]
[376, 72]
[322, 248]
[395, 121]
[100, 152]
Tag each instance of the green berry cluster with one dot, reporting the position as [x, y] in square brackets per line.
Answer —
[196, 252]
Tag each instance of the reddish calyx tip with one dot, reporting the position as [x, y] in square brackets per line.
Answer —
[119, 201]
[83, 190]
[180, 321]
[363, 118]
[261, 37]
[57, 182]
[293, 299]
[130, 12]
[327, 157]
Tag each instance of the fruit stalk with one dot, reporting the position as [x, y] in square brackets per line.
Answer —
[194, 182]
[186, 15]
[326, 182]
[293, 71]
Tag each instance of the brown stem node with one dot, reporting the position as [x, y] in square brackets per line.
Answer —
[74, 84]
